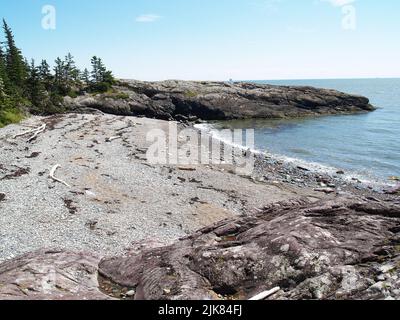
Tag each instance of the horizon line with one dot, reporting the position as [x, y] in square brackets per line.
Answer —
[252, 80]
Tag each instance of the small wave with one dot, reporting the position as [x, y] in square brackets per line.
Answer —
[315, 167]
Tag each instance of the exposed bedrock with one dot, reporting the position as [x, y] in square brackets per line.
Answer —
[340, 249]
[186, 100]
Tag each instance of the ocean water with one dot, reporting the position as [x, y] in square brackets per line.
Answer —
[364, 145]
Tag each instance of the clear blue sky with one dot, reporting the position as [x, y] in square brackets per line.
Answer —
[215, 39]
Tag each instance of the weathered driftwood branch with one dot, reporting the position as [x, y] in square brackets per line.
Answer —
[28, 131]
[53, 171]
[264, 295]
[111, 139]
[37, 132]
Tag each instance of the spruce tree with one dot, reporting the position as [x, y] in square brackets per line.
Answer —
[71, 72]
[59, 76]
[44, 70]
[15, 65]
[85, 77]
[2, 91]
[45, 75]
[102, 78]
[35, 89]
[3, 71]
[96, 62]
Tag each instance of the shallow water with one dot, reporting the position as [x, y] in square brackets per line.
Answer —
[365, 144]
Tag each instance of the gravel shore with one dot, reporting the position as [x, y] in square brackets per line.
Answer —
[116, 198]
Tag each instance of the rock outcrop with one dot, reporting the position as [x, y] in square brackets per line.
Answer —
[51, 274]
[185, 100]
[340, 249]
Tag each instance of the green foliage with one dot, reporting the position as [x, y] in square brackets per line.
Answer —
[25, 86]
[85, 77]
[99, 87]
[10, 115]
[35, 90]
[117, 95]
[15, 63]
[45, 75]
[2, 89]
[191, 94]
[102, 79]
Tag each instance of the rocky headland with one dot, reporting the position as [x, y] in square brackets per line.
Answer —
[190, 101]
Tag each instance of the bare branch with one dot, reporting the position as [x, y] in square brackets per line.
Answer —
[37, 132]
[28, 132]
[53, 171]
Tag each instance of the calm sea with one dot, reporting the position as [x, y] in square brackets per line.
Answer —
[366, 145]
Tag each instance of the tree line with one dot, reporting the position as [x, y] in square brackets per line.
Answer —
[27, 86]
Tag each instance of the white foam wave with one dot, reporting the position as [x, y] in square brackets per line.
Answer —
[349, 177]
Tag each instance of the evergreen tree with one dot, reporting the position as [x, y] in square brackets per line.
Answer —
[44, 70]
[3, 73]
[102, 79]
[35, 89]
[15, 64]
[59, 79]
[45, 75]
[108, 77]
[25, 84]
[2, 91]
[85, 77]
[97, 66]
[71, 72]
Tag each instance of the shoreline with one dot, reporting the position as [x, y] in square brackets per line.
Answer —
[122, 212]
[339, 175]
[110, 207]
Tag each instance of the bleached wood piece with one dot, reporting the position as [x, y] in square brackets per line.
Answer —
[27, 132]
[111, 139]
[264, 295]
[53, 171]
[37, 132]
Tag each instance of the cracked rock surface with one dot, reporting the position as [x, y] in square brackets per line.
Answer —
[345, 248]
